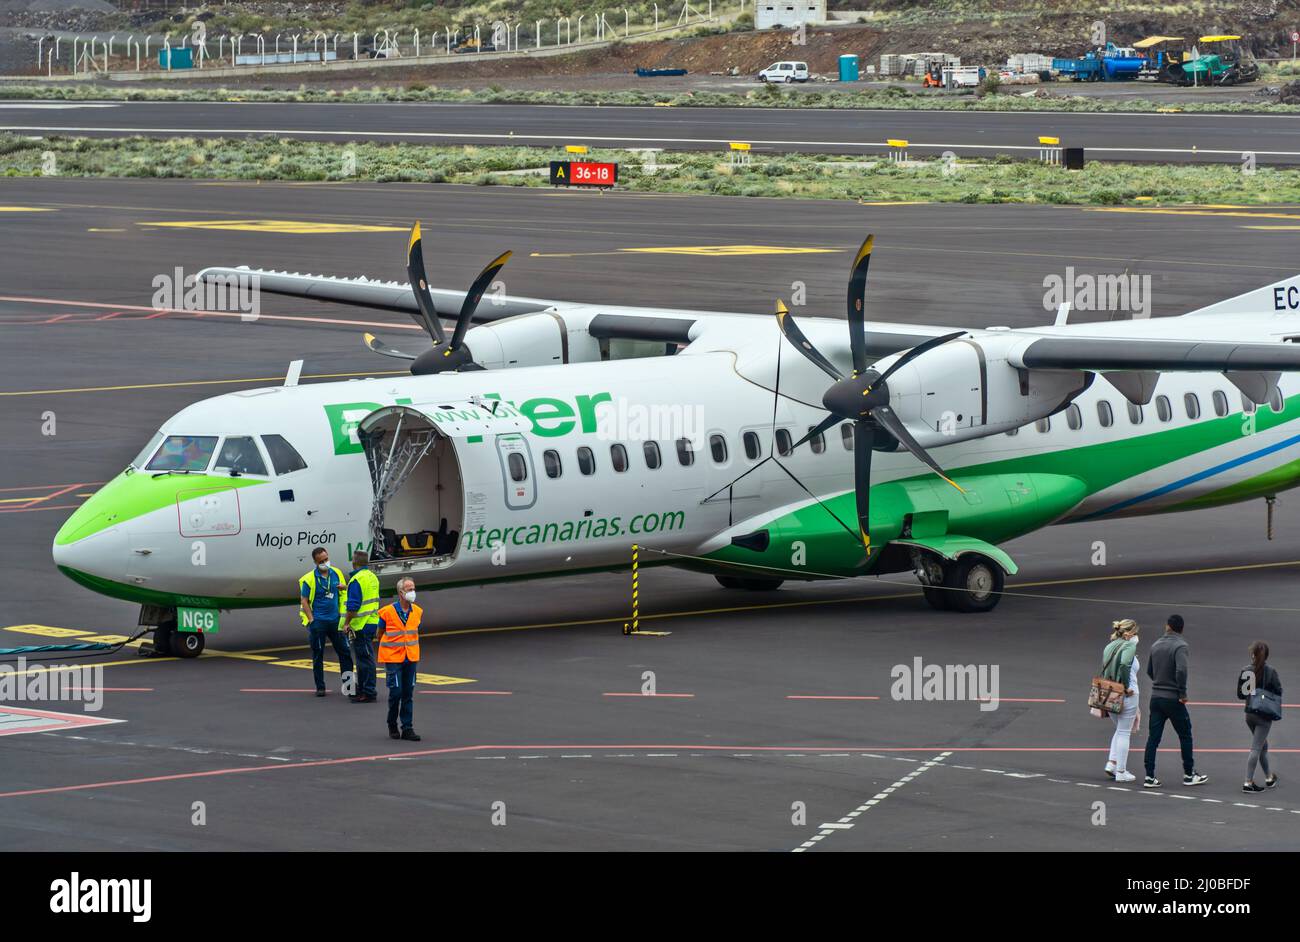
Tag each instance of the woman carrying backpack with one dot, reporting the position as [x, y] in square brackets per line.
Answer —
[1261, 688]
[1119, 663]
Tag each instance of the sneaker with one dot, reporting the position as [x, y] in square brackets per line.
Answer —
[1109, 770]
[410, 735]
[394, 733]
[1270, 781]
[364, 699]
[320, 693]
[1122, 776]
[1251, 787]
[1151, 782]
[1196, 778]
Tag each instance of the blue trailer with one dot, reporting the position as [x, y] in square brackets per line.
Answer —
[1109, 64]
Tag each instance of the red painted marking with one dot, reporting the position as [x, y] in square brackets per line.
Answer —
[119, 689]
[108, 317]
[603, 747]
[66, 720]
[56, 318]
[1021, 700]
[647, 695]
[795, 696]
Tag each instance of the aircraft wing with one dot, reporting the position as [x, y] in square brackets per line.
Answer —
[1131, 353]
[366, 292]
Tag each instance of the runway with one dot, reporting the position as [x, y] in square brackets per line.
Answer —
[1163, 137]
[772, 726]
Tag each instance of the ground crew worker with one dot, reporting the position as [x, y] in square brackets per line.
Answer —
[360, 623]
[399, 652]
[321, 605]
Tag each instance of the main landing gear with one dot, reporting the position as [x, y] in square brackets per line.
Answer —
[969, 583]
[167, 640]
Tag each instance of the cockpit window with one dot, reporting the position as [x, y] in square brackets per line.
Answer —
[284, 457]
[239, 455]
[147, 451]
[183, 453]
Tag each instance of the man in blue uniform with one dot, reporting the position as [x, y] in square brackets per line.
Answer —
[321, 601]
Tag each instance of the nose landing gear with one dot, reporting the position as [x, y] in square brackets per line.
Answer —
[166, 640]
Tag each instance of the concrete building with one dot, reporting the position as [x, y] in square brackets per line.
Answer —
[788, 13]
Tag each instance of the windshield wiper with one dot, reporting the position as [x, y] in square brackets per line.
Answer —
[161, 474]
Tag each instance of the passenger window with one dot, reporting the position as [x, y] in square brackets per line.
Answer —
[685, 454]
[818, 442]
[618, 458]
[1104, 414]
[1247, 405]
[1220, 402]
[551, 460]
[239, 455]
[846, 436]
[1275, 401]
[1044, 424]
[586, 461]
[184, 453]
[284, 457]
[1074, 418]
[1192, 405]
[1134, 414]
[1164, 411]
[784, 444]
[753, 448]
[518, 467]
[652, 457]
[718, 447]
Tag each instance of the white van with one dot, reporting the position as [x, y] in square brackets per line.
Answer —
[785, 72]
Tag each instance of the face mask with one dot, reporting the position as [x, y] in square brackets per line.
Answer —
[323, 565]
[409, 596]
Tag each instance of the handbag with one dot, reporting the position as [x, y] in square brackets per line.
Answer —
[1264, 703]
[1107, 695]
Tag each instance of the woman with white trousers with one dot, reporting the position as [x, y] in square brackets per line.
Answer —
[1121, 656]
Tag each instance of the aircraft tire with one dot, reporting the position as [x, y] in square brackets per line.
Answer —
[752, 584]
[188, 644]
[973, 583]
[936, 596]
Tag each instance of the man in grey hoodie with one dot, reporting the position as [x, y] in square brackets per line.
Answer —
[1167, 668]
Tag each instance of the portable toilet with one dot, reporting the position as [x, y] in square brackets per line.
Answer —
[176, 57]
[848, 68]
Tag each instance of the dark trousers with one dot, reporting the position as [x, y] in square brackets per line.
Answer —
[1168, 708]
[401, 692]
[363, 650]
[318, 632]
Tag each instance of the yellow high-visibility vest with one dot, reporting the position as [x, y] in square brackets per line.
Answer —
[309, 581]
[368, 613]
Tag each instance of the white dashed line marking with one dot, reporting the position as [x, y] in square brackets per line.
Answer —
[828, 829]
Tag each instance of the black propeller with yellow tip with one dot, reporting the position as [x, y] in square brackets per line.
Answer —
[862, 398]
[447, 353]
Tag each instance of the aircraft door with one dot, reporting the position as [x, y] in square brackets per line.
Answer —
[518, 471]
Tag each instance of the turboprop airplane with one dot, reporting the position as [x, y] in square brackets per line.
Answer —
[552, 436]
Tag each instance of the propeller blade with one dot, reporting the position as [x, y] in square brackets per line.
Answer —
[472, 298]
[378, 346]
[856, 311]
[428, 318]
[890, 422]
[864, 433]
[821, 427]
[916, 351]
[801, 343]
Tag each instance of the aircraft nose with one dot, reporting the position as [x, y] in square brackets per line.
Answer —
[91, 542]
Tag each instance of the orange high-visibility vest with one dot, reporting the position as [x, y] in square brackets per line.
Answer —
[399, 642]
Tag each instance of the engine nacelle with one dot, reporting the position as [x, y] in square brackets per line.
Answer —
[967, 389]
[541, 338]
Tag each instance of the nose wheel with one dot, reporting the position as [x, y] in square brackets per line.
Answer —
[167, 641]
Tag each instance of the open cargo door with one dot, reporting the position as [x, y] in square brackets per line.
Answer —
[418, 509]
